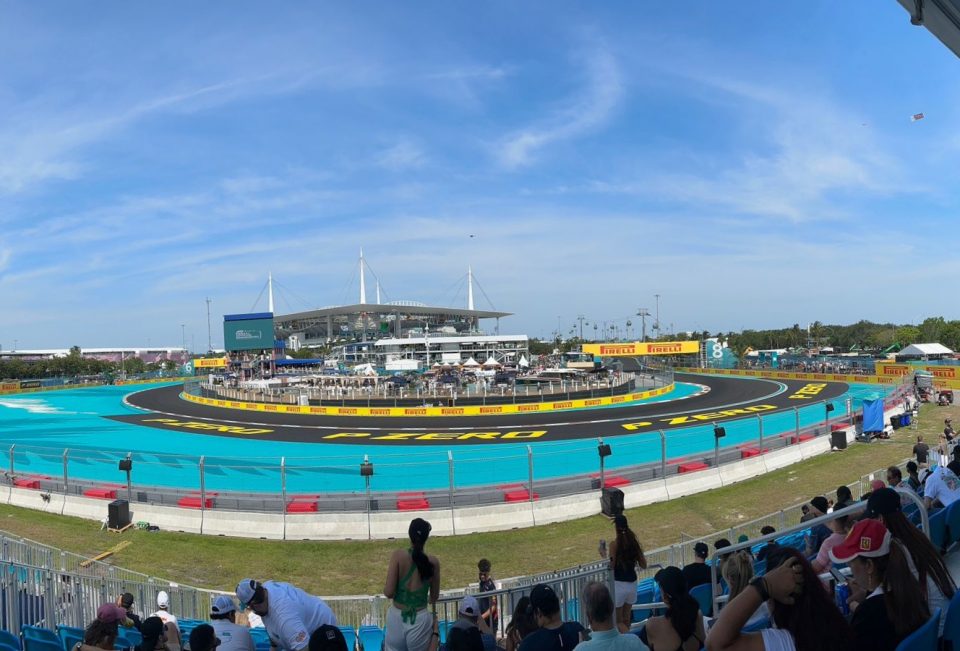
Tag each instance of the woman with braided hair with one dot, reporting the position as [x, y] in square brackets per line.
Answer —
[413, 582]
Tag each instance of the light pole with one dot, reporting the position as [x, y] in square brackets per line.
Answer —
[183, 342]
[580, 319]
[366, 471]
[656, 323]
[209, 331]
[643, 313]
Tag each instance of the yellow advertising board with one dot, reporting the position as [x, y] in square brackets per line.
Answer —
[640, 348]
[217, 362]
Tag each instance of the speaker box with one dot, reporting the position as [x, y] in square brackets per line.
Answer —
[611, 502]
[838, 440]
[118, 514]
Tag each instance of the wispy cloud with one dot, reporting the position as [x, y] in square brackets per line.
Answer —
[403, 155]
[580, 115]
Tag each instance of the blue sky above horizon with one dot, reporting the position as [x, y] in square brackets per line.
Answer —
[755, 168]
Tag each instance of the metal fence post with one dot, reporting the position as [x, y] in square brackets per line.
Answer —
[796, 416]
[663, 454]
[203, 493]
[453, 519]
[530, 486]
[760, 430]
[283, 494]
[12, 471]
[66, 453]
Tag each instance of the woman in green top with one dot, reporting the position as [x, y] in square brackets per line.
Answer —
[413, 582]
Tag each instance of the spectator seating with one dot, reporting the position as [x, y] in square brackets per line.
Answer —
[70, 636]
[371, 638]
[132, 635]
[350, 636]
[572, 612]
[9, 639]
[444, 626]
[46, 644]
[5, 646]
[924, 638]
[261, 640]
[704, 595]
[951, 626]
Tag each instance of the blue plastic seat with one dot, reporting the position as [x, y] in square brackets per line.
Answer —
[350, 636]
[371, 638]
[134, 636]
[70, 636]
[572, 611]
[924, 638]
[938, 528]
[444, 627]
[37, 644]
[704, 595]
[759, 625]
[951, 624]
[8, 638]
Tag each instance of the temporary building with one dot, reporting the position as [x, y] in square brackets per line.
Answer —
[523, 363]
[492, 362]
[471, 362]
[925, 350]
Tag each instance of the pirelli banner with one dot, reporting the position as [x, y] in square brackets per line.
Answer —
[643, 348]
[943, 376]
[203, 362]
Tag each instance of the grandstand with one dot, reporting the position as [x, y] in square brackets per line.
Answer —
[52, 594]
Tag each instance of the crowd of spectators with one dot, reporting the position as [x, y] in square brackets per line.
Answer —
[774, 597]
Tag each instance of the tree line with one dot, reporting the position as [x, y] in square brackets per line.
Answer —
[75, 365]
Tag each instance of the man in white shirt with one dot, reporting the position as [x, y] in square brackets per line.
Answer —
[289, 614]
[943, 486]
[605, 636]
[169, 619]
[223, 617]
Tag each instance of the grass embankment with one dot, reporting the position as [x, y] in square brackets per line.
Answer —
[358, 567]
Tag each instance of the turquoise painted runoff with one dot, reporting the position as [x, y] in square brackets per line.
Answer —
[41, 426]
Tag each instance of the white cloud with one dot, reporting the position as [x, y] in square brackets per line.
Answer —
[403, 155]
[583, 114]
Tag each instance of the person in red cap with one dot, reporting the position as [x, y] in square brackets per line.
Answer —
[102, 632]
[886, 598]
[935, 580]
[803, 613]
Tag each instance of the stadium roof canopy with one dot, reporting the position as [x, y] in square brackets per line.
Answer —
[924, 349]
[940, 17]
[377, 308]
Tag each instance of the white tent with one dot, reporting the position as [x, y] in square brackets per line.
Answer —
[492, 362]
[523, 363]
[924, 350]
[364, 369]
[471, 362]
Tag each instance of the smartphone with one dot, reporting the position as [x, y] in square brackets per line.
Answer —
[838, 576]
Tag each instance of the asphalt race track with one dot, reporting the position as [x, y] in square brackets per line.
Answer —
[727, 398]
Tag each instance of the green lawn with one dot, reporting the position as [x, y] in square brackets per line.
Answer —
[358, 567]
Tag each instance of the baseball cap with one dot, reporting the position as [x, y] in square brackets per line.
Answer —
[882, 502]
[246, 590]
[470, 606]
[544, 599]
[203, 638]
[163, 599]
[327, 638]
[868, 538]
[222, 605]
[820, 503]
[701, 550]
[111, 614]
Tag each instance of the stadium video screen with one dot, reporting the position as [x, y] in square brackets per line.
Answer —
[248, 331]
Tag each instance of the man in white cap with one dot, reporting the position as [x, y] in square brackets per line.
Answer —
[169, 620]
[233, 637]
[289, 614]
[470, 618]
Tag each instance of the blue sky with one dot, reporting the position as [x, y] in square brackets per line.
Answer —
[755, 168]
